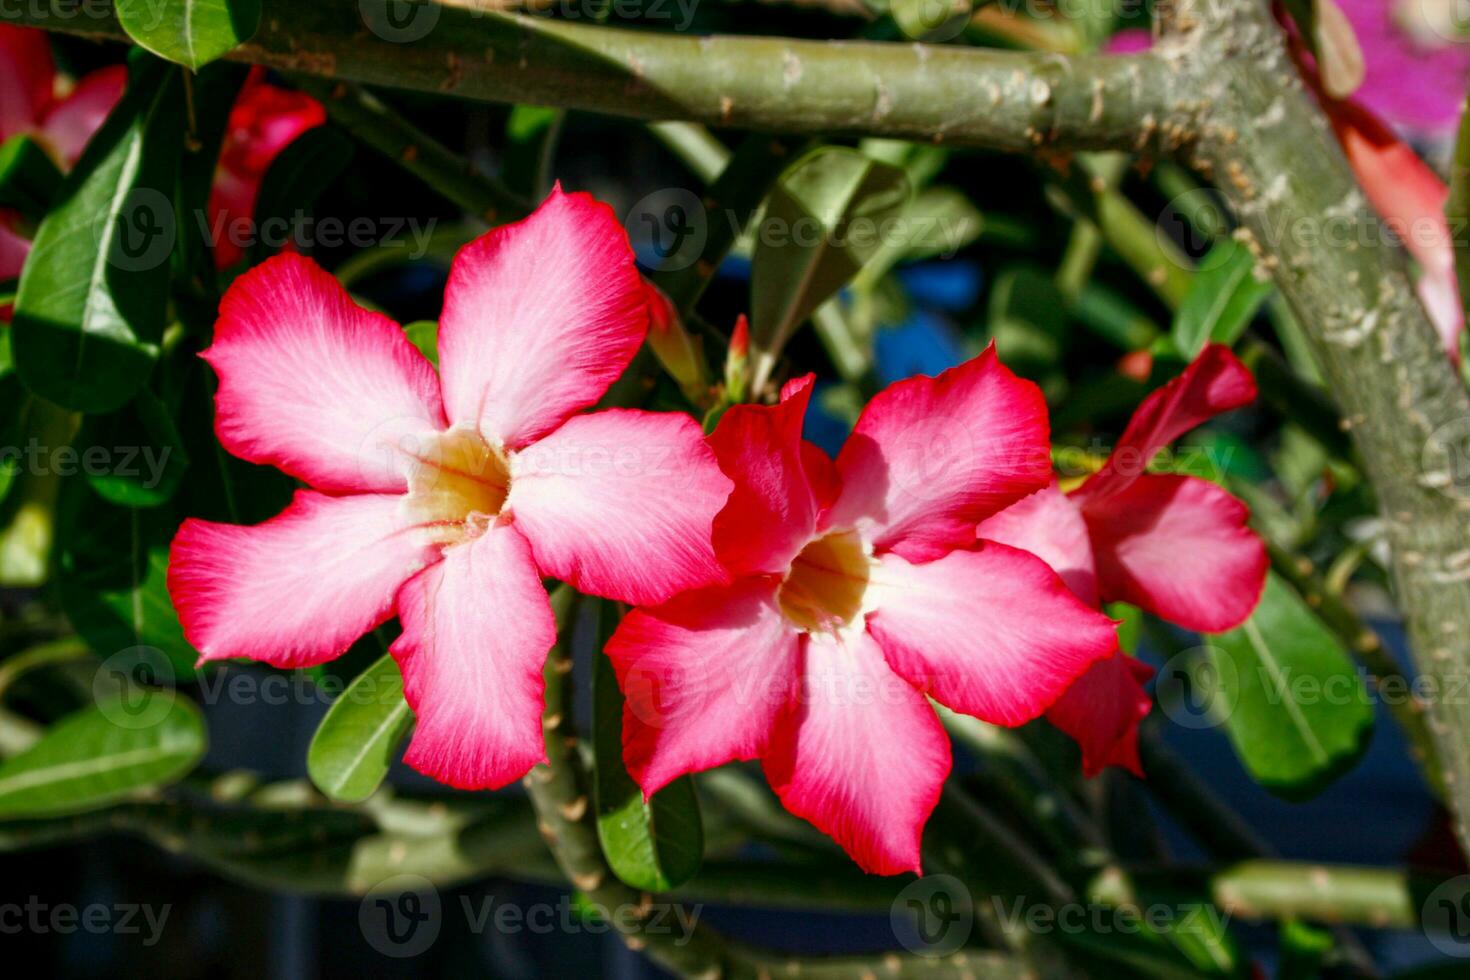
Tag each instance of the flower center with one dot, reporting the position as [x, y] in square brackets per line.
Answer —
[457, 481]
[824, 588]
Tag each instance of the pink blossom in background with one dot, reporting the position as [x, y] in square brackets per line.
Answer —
[1415, 74]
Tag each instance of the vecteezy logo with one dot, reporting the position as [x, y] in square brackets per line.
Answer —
[133, 688]
[399, 21]
[1198, 688]
[1446, 917]
[668, 229]
[933, 916]
[141, 234]
[401, 916]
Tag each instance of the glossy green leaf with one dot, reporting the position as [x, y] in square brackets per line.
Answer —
[111, 577]
[297, 177]
[1222, 300]
[358, 738]
[655, 845]
[133, 456]
[93, 296]
[116, 748]
[189, 32]
[1295, 706]
[821, 224]
[29, 178]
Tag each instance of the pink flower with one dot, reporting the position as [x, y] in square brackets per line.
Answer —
[29, 105]
[1406, 193]
[264, 121]
[1415, 68]
[1175, 546]
[29, 102]
[445, 499]
[859, 588]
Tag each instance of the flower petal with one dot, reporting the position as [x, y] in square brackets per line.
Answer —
[861, 754]
[621, 504]
[476, 630]
[72, 121]
[1101, 711]
[704, 676]
[316, 385]
[298, 589]
[1213, 383]
[27, 75]
[771, 512]
[1048, 525]
[991, 632]
[932, 457]
[1177, 546]
[539, 318]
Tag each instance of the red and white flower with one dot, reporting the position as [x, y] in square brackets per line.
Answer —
[264, 121]
[859, 591]
[445, 499]
[61, 122]
[1175, 546]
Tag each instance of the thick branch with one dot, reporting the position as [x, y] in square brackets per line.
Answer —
[1269, 148]
[1008, 100]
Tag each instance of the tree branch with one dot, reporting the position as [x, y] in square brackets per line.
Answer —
[1008, 100]
[1270, 150]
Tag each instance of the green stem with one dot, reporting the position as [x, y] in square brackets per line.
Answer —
[1020, 101]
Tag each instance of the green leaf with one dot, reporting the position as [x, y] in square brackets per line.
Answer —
[359, 737]
[139, 455]
[424, 334]
[310, 164]
[1296, 710]
[105, 753]
[29, 178]
[821, 224]
[94, 292]
[655, 845]
[190, 32]
[1221, 301]
[111, 577]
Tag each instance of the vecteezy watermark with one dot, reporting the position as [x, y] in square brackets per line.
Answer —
[1198, 688]
[933, 916]
[38, 918]
[145, 463]
[1095, 918]
[143, 233]
[407, 21]
[669, 229]
[402, 917]
[1445, 916]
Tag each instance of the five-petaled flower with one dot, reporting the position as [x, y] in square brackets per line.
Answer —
[858, 589]
[446, 498]
[1176, 546]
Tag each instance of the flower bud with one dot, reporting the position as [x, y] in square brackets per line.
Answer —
[737, 361]
[671, 343]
